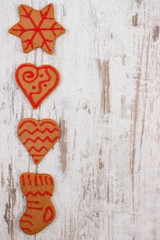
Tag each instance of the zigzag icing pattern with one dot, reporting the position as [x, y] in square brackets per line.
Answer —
[38, 136]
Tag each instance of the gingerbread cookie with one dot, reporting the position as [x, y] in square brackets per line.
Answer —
[38, 137]
[40, 212]
[37, 29]
[37, 82]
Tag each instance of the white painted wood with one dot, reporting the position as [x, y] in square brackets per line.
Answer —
[106, 164]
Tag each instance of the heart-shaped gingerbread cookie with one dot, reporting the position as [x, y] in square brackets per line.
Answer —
[37, 82]
[38, 136]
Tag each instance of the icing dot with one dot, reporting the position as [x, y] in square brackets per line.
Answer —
[45, 85]
[33, 87]
[41, 75]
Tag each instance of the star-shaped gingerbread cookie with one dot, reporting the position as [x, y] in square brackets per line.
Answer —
[37, 28]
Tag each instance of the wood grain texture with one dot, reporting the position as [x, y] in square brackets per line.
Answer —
[106, 163]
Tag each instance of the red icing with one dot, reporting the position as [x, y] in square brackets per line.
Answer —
[41, 180]
[22, 30]
[51, 180]
[35, 194]
[35, 208]
[42, 140]
[43, 147]
[26, 222]
[49, 208]
[27, 215]
[29, 179]
[46, 180]
[29, 121]
[27, 229]
[46, 122]
[30, 75]
[36, 183]
[46, 129]
[23, 180]
[29, 96]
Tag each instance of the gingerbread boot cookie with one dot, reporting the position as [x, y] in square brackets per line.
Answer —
[40, 212]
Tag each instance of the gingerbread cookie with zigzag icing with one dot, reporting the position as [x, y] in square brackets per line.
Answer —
[38, 137]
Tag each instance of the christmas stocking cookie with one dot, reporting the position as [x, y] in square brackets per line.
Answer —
[40, 212]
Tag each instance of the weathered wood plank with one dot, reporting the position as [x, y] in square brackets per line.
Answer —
[106, 163]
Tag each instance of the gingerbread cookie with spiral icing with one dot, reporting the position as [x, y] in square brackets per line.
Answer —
[37, 82]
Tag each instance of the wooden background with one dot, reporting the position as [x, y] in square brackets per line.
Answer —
[106, 165]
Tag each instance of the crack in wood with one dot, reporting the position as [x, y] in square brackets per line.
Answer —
[2, 176]
[155, 35]
[63, 144]
[9, 206]
[103, 68]
[135, 20]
